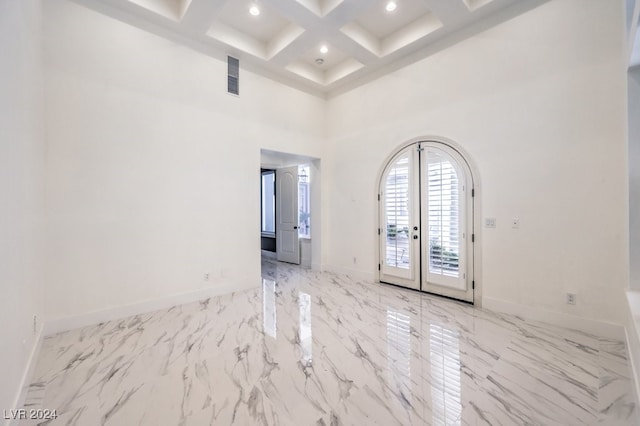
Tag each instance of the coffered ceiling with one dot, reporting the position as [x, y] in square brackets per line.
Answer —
[322, 46]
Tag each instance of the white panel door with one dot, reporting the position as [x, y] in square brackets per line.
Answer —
[287, 239]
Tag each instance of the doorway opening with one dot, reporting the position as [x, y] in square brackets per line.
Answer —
[290, 208]
[426, 232]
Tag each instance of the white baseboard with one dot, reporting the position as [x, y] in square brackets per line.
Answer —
[28, 373]
[58, 325]
[353, 273]
[632, 333]
[632, 356]
[598, 328]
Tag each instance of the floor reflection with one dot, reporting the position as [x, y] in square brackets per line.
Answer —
[304, 333]
[399, 350]
[269, 307]
[444, 352]
[386, 356]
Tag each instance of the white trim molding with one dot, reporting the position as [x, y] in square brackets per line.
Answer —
[591, 326]
[28, 373]
[59, 325]
[356, 274]
[632, 332]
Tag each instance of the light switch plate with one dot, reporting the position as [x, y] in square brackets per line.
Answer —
[489, 222]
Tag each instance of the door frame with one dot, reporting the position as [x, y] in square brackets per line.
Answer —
[273, 159]
[474, 209]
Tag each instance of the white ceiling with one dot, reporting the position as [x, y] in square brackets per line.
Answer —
[283, 42]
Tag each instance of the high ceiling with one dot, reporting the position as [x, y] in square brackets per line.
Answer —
[282, 39]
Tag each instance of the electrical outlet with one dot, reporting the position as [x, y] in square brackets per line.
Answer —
[515, 223]
[570, 298]
[206, 276]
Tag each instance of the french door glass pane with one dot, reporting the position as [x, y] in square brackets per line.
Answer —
[397, 210]
[443, 192]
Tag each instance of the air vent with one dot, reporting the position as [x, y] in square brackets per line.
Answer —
[233, 75]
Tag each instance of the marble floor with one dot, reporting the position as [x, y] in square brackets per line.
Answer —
[307, 348]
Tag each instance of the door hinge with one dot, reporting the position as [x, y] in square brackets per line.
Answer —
[473, 192]
[473, 238]
[378, 231]
[378, 197]
[473, 285]
[378, 266]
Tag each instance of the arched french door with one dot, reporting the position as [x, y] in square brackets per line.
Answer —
[426, 221]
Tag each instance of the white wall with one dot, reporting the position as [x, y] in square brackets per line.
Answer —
[538, 104]
[153, 169]
[21, 189]
[634, 177]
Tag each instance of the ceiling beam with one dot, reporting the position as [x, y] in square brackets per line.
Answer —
[448, 11]
[294, 12]
[307, 30]
[200, 15]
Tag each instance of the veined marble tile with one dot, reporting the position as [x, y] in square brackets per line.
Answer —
[309, 348]
[615, 392]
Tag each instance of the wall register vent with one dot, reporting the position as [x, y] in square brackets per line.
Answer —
[233, 75]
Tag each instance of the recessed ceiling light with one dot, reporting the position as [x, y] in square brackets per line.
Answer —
[324, 49]
[391, 6]
[254, 10]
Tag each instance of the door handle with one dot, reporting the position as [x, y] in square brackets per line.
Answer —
[295, 227]
[415, 237]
